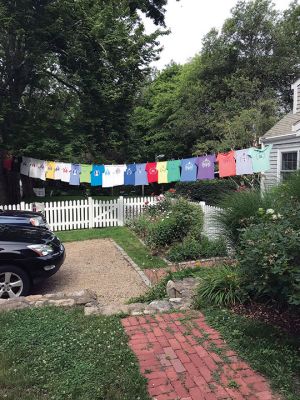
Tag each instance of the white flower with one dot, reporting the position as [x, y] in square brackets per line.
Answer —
[274, 216]
[270, 211]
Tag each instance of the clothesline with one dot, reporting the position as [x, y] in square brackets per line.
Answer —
[232, 163]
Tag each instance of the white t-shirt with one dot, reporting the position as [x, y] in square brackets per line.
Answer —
[65, 172]
[58, 171]
[38, 169]
[25, 166]
[113, 175]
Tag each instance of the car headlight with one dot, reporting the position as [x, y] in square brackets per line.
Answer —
[41, 249]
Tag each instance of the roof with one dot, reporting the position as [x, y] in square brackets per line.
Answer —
[283, 127]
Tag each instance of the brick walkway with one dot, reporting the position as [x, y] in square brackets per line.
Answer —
[183, 358]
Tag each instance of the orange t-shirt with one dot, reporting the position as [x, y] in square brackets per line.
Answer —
[226, 164]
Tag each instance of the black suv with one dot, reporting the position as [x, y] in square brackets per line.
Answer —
[27, 255]
[24, 218]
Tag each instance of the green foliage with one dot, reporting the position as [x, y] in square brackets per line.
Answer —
[192, 249]
[268, 350]
[269, 259]
[52, 353]
[209, 191]
[167, 222]
[238, 208]
[221, 286]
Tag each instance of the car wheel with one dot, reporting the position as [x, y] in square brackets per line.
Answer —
[14, 282]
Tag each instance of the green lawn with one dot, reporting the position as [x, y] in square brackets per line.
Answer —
[56, 354]
[121, 235]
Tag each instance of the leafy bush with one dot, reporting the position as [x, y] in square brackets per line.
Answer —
[139, 225]
[192, 249]
[175, 224]
[209, 191]
[239, 209]
[221, 286]
[269, 258]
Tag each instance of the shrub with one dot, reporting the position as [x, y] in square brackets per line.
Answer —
[239, 209]
[269, 258]
[192, 249]
[139, 225]
[209, 191]
[221, 286]
[175, 224]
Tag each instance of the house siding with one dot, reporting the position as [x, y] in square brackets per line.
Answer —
[291, 143]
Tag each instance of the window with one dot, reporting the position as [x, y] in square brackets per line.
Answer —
[289, 163]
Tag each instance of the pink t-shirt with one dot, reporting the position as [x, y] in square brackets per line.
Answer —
[226, 164]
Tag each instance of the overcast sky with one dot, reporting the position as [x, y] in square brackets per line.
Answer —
[189, 21]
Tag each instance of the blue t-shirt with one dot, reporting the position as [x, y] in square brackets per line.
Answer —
[75, 174]
[140, 177]
[188, 169]
[96, 175]
[129, 174]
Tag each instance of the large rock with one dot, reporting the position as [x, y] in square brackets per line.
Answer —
[92, 310]
[83, 296]
[13, 304]
[159, 306]
[114, 309]
[62, 303]
[136, 308]
[184, 288]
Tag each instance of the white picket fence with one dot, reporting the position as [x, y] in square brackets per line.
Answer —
[93, 213]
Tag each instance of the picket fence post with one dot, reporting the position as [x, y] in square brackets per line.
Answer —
[91, 212]
[120, 211]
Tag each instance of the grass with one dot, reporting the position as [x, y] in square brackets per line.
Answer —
[121, 235]
[54, 354]
[267, 349]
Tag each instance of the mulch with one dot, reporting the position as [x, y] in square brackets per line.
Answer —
[286, 319]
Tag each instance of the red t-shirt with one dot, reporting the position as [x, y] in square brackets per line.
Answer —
[226, 164]
[7, 163]
[152, 172]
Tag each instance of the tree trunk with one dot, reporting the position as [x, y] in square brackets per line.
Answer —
[3, 183]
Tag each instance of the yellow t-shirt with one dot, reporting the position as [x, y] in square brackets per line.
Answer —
[50, 170]
[162, 172]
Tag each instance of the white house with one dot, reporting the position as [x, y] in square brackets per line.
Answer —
[285, 138]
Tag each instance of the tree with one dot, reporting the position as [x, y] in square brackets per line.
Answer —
[69, 71]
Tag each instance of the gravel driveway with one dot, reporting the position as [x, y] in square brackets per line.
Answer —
[98, 265]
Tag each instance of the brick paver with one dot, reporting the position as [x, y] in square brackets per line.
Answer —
[183, 358]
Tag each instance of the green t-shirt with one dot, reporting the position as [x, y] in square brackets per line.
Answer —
[85, 176]
[260, 158]
[173, 170]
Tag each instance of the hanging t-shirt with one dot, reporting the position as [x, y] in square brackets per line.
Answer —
[129, 174]
[50, 170]
[96, 175]
[260, 158]
[152, 172]
[243, 162]
[188, 170]
[173, 167]
[162, 172]
[113, 175]
[75, 174]
[38, 169]
[58, 171]
[25, 166]
[140, 176]
[206, 167]
[226, 164]
[85, 176]
[16, 165]
[7, 163]
[65, 172]
[33, 168]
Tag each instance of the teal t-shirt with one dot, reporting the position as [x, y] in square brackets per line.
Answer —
[173, 168]
[260, 158]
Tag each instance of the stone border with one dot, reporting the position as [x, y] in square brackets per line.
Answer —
[137, 269]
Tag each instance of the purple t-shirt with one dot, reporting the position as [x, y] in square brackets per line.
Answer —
[75, 174]
[188, 170]
[206, 167]
[243, 162]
